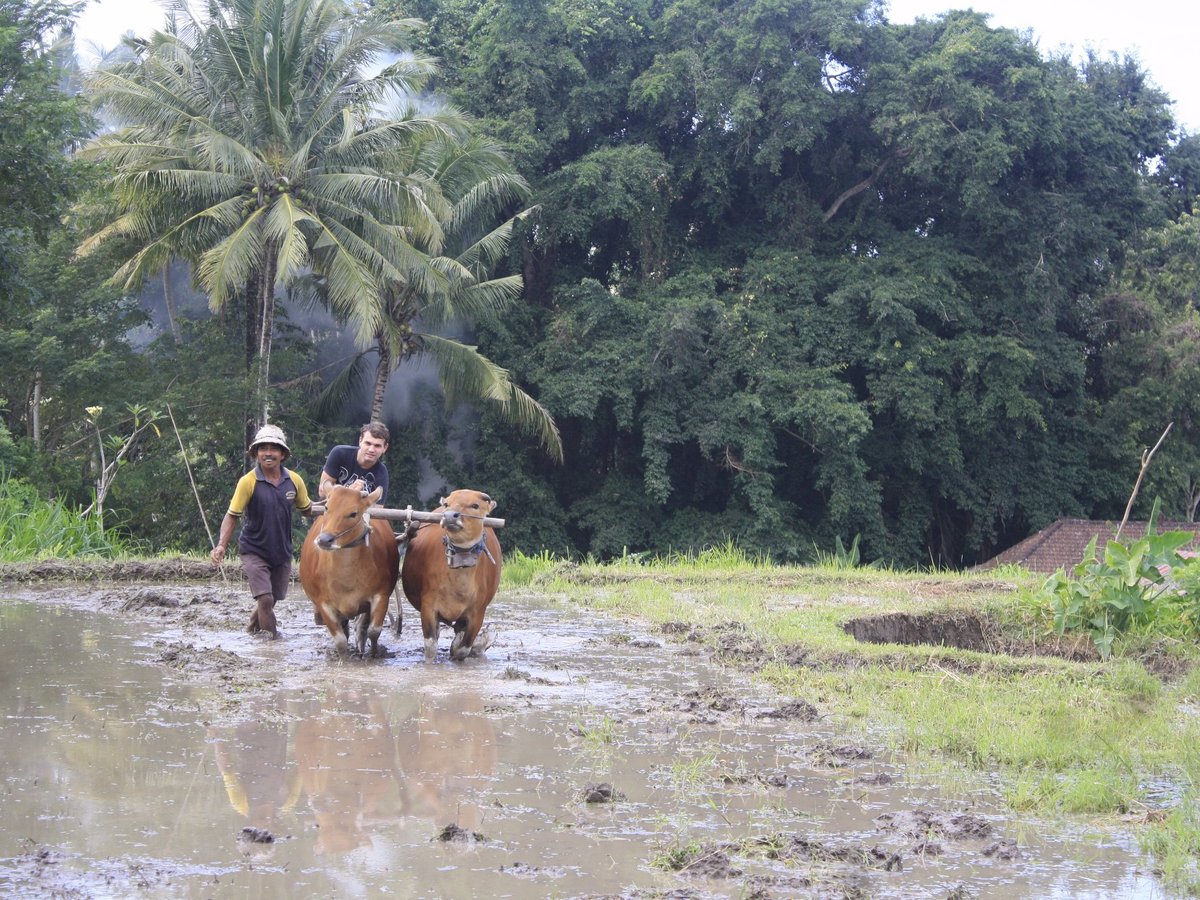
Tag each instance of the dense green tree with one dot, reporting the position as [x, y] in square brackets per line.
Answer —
[62, 335]
[38, 121]
[924, 217]
[1148, 367]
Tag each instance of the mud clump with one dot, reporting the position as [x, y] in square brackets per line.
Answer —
[185, 657]
[879, 779]
[795, 710]
[250, 835]
[704, 861]
[836, 755]
[709, 699]
[681, 630]
[601, 793]
[454, 834]
[144, 597]
[963, 631]
[793, 848]
[926, 823]
[732, 643]
[1005, 849]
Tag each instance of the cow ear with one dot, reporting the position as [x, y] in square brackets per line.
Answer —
[375, 495]
[441, 501]
[491, 504]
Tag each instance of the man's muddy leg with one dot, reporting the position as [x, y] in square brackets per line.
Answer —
[264, 616]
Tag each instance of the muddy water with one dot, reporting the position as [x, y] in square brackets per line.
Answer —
[163, 752]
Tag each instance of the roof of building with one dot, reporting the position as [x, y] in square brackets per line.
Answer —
[1060, 544]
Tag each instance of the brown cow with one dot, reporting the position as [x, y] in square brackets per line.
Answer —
[348, 567]
[451, 573]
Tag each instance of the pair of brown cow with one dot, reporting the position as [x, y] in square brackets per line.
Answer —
[350, 563]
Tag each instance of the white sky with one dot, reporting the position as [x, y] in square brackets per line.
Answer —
[1164, 35]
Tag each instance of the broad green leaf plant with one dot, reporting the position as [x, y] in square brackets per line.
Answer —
[1127, 586]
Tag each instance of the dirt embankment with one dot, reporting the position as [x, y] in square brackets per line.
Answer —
[179, 568]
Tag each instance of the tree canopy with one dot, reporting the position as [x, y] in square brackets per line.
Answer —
[779, 271]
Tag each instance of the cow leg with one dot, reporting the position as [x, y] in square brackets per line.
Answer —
[360, 640]
[338, 628]
[379, 609]
[465, 632]
[482, 642]
[430, 629]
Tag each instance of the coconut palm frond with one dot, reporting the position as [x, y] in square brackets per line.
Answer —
[228, 266]
[466, 374]
[283, 226]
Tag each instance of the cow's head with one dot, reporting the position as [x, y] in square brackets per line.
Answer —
[462, 515]
[346, 522]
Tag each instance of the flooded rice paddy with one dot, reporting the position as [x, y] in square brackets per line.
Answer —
[151, 748]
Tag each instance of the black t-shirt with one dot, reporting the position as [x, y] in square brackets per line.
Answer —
[342, 466]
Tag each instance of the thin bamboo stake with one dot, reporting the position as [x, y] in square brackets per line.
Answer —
[1146, 457]
[195, 492]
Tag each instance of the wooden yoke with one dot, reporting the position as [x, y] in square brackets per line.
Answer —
[409, 514]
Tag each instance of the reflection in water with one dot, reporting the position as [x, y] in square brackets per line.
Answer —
[343, 765]
[346, 755]
[260, 781]
[449, 752]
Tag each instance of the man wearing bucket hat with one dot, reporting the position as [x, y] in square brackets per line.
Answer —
[263, 501]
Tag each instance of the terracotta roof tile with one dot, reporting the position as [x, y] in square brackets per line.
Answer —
[1061, 543]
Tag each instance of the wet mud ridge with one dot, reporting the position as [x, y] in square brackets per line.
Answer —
[155, 748]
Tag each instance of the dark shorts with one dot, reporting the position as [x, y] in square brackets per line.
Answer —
[267, 579]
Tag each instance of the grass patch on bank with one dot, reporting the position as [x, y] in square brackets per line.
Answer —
[1094, 738]
[32, 527]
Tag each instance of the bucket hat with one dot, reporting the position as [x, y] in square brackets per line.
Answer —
[270, 434]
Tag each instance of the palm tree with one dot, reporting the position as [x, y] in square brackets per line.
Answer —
[250, 142]
[401, 322]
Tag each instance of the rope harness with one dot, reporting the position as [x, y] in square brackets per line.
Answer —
[363, 539]
[456, 557]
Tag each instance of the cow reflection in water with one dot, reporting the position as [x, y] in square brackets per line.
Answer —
[449, 753]
[260, 782]
[346, 754]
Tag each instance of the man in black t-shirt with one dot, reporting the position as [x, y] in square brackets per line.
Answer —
[360, 467]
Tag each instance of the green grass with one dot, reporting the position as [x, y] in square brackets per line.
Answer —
[1069, 738]
[35, 528]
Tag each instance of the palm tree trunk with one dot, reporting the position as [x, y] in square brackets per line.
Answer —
[266, 287]
[169, 300]
[383, 373]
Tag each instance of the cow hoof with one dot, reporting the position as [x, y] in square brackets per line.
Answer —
[482, 641]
